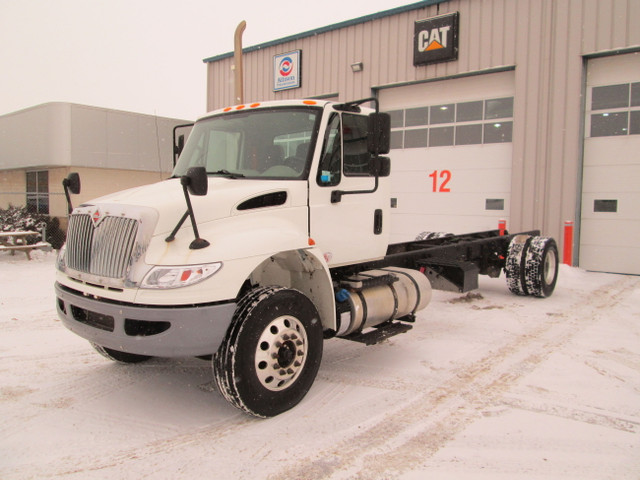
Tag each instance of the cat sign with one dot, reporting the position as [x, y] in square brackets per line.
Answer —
[436, 39]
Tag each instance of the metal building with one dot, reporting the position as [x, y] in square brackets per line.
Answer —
[523, 110]
[111, 149]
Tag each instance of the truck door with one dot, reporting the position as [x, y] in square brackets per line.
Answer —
[356, 227]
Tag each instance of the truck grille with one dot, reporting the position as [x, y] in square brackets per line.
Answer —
[104, 250]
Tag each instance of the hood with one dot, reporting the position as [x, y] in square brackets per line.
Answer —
[226, 197]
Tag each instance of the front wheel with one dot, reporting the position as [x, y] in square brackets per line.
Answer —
[271, 354]
[118, 356]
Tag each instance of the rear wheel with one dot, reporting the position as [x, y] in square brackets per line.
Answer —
[431, 235]
[271, 354]
[515, 264]
[118, 356]
[541, 266]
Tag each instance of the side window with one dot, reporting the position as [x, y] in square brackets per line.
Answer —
[356, 155]
[329, 171]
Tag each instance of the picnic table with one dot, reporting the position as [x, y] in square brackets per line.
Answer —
[17, 241]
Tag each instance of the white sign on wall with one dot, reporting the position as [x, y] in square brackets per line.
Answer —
[286, 70]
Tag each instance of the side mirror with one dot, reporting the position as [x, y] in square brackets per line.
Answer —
[380, 166]
[72, 182]
[177, 149]
[379, 133]
[179, 144]
[196, 181]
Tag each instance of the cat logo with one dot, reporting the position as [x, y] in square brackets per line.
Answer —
[436, 39]
[433, 40]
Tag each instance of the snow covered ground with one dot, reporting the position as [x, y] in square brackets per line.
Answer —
[487, 385]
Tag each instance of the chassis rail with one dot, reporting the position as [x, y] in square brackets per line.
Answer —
[452, 262]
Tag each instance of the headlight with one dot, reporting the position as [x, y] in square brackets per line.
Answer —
[60, 263]
[178, 276]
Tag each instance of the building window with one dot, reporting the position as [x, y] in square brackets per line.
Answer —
[440, 136]
[469, 134]
[610, 96]
[442, 113]
[38, 192]
[417, 116]
[466, 123]
[615, 110]
[416, 138]
[498, 108]
[397, 118]
[498, 132]
[469, 111]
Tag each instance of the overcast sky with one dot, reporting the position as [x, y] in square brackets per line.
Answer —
[141, 55]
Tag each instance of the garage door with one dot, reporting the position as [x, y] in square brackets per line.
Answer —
[451, 154]
[610, 219]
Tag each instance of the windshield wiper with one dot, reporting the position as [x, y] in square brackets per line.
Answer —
[227, 173]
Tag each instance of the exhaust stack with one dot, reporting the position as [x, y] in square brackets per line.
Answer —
[237, 58]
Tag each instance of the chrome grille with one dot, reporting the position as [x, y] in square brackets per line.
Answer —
[104, 250]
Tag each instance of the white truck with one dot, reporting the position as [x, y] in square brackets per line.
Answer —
[286, 245]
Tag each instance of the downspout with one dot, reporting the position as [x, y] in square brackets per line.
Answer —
[237, 57]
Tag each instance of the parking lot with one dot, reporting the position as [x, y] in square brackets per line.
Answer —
[486, 385]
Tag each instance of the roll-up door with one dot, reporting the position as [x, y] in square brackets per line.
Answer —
[610, 218]
[451, 154]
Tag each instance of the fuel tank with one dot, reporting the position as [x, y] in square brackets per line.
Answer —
[374, 297]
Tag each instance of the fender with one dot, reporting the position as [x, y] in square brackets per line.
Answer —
[305, 270]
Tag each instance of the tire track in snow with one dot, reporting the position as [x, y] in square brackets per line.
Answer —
[399, 440]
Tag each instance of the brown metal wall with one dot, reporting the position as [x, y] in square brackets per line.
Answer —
[545, 40]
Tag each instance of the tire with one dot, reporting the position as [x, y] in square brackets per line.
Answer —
[431, 235]
[515, 264]
[541, 267]
[272, 351]
[118, 356]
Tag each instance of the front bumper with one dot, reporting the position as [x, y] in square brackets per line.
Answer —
[153, 330]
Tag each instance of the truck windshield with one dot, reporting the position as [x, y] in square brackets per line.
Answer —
[263, 143]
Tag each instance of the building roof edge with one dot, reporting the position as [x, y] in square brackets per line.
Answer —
[329, 28]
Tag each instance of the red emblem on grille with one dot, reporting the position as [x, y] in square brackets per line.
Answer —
[96, 217]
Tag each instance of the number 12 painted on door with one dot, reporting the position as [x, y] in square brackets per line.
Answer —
[440, 186]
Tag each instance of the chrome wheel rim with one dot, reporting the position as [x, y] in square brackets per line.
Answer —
[281, 353]
[549, 269]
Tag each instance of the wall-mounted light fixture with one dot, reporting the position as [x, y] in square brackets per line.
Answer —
[356, 67]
